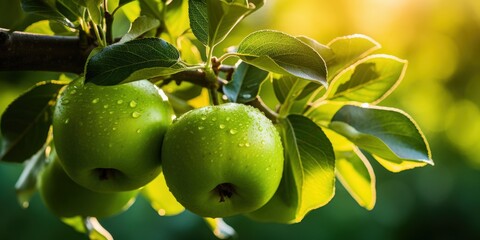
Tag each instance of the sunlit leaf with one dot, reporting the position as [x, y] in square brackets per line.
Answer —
[369, 80]
[220, 228]
[348, 50]
[283, 54]
[41, 27]
[212, 20]
[245, 83]
[134, 60]
[176, 18]
[357, 176]
[140, 26]
[308, 180]
[93, 7]
[89, 226]
[387, 133]
[161, 199]
[325, 52]
[26, 121]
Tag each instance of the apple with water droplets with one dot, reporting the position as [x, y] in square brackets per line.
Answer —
[109, 138]
[223, 160]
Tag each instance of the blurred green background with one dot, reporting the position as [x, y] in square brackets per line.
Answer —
[441, 91]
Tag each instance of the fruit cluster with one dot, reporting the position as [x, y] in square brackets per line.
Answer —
[110, 141]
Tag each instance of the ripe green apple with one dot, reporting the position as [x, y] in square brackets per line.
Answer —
[108, 138]
[64, 198]
[222, 160]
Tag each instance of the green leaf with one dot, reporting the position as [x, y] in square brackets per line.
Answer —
[325, 52]
[26, 185]
[288, 89]
[357, 176]
[93, 7]
[152, 8]
[176, 18]
[134, 60]
[289, 86]
[45, 9]
[308, 180]
[283, 54]
[323, 113]
[348, 50]
[390, 135]
[160, 198]
[220, 228]
[74, 8]
[198, 14]
[140, 26]
[369, 80]
[26, 121]
[223, 16]
[245, 83]
[282, 86]
[212, 20]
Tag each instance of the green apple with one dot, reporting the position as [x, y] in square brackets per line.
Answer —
[222, 160]
[64, 198]
[108, 138]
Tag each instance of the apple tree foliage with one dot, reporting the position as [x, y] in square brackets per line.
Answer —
[325, 102]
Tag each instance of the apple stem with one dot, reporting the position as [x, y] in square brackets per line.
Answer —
[225, 190]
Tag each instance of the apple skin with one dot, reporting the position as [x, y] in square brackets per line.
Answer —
[64, 198]
[108, 138]
[224, 160]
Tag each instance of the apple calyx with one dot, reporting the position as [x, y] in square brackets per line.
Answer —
[224, 190]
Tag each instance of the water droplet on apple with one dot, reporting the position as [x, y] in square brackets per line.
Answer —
[200, 127]
[247, 144]
[241, 144]
[233, 131]
[136, 114]
[105, 106]
[214, 119]
[65, 101]
[120, 101]
[222, 126]
[111, 112]
[73, 92]
[114, 128]
[203, 117]
[133, 104]
[96, 100]
[138, 130]
[67, 120]
[228, 118]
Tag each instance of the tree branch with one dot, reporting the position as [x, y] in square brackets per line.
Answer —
[34, 52]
